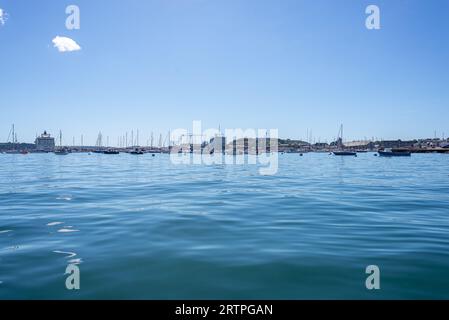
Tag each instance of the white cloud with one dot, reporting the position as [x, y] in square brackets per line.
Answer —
[64, 44]
[3, 17]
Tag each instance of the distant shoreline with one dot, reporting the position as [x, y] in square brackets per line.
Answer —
[283, 145]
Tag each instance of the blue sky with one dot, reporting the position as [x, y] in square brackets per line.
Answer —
[294, 65]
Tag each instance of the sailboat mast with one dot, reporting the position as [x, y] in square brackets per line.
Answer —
[340, 136]
[169, 139]
[13, 137]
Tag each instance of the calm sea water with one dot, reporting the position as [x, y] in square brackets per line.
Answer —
[140, 227]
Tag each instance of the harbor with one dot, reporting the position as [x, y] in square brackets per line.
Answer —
[46, 143]
[224, 159]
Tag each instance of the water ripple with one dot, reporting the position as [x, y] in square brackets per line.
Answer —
[169, 231]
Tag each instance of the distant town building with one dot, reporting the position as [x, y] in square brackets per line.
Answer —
[217, 144]
[252, 146]
[397, 143]
[363, 145]
[293, 143]
[321, 145]
[45, 142]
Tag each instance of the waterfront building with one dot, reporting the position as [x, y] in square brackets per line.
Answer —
[251, 146]
[45, 143]
[362, 145]
[217, 144]
[397, 143]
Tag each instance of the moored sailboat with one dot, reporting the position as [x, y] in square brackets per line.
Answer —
[341, 150]
[61, 151]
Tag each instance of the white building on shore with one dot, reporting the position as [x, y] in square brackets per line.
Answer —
[45, 143]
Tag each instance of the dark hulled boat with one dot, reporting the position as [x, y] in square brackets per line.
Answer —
[137, 151]
[341, 149]
[111, 152]
[345, 153]
[62, 152]
[391, 153]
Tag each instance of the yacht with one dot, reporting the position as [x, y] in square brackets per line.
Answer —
[137, 151]
[62, 152]
[390, 153]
